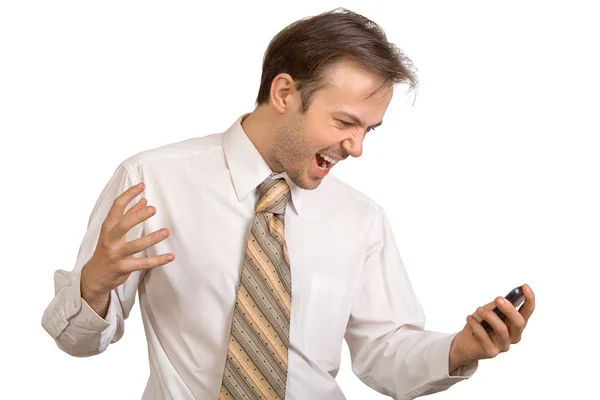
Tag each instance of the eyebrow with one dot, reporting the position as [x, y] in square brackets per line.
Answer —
[356, 119]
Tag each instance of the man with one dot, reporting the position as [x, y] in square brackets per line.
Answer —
[253, 262]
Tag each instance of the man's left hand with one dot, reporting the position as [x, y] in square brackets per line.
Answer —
[473, 342]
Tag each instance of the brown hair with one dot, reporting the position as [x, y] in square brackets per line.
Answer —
[306, 47]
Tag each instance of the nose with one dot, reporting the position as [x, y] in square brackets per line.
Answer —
[353, 145]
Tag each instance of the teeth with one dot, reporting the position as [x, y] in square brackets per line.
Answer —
[331, 160]
[323, 167]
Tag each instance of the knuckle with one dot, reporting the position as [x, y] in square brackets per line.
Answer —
[147, 211]
[119, 200]
[489, 315]
[503, 332]
[104, 245]
[113, 259]
[106, 226]
[112, 253]
[517, 339]
[143, 214]
[492, 352]
[122, 268]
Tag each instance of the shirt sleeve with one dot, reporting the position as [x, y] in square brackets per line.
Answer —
[68, 319]
[390, 350]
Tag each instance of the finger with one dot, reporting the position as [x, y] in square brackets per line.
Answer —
[501, 335]
[488, 306]
[141, 263]
[138, 206]
[482, 337]
[529, 305]
[143, 243]
[118, 208]
[476, 316]
[512, 318]
[129, 221]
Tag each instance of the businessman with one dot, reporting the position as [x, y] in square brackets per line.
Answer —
[253, 262]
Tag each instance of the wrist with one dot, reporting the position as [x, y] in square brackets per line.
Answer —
[456, 357]
[88, 291]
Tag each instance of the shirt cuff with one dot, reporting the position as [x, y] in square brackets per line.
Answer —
[70, 311]
[440, 376]
[91, 317]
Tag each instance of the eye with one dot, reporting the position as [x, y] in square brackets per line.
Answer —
[349, 124]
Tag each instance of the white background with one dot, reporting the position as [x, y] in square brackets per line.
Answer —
[490, 180]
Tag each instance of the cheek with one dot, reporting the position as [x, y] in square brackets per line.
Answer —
[293, 147]
[303, 139]
[322, 136]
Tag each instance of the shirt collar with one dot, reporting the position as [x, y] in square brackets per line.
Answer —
[248, 168]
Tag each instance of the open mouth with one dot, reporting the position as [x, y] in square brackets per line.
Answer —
[323, 163]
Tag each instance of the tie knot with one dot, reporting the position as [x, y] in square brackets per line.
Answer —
[273, 196]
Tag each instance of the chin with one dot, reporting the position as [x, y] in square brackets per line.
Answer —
[306, 182]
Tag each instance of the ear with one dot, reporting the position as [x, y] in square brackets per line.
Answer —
[283, 95]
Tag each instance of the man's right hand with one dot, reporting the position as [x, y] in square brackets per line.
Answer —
[113, 260]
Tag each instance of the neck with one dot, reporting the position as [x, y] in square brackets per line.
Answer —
[260, 127]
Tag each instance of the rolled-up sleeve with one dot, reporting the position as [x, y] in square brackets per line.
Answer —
[76, 328]
[390, 350]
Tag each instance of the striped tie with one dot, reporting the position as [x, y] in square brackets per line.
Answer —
[257, 356]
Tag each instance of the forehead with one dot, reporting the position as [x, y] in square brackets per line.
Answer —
[351, 84]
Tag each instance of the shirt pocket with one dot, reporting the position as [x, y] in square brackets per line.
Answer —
[328, 310]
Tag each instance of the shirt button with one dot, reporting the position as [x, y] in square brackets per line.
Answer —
[75, 303]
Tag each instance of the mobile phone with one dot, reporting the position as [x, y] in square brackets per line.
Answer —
[516, 297]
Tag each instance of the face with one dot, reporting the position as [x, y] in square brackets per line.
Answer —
[328, 127]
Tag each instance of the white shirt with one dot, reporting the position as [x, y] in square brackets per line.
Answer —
[348, 280]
